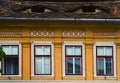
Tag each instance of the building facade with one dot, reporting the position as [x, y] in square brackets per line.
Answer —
[80, 44]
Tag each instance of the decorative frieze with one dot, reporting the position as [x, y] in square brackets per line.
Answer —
[42, 33]
[10, 33]
[73, 33]
[104, 33]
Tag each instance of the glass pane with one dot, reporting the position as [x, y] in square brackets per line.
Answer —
[14, 50]
[100, 65]
[47, 50]
[100, 51]
[77, 66]
[69, 62]
[11, 66]
[108, 66]
[108, 51]
[38, 65]
[77, 51]
[69, 50]
[7, 50]
[38, 50]
[46, 65]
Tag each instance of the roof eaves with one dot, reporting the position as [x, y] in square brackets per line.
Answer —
[61, 19]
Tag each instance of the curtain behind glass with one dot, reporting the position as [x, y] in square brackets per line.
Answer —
[11, 50]
[78, 66]
[100, 66]
[69, 69]
[108, 51]
[11, 66]
[46, 65]
[42, 65]
[108, 66]
[38, 65]
[38, 50]
[46, 50]
[14, 50]
[77, 50]
[69, 50]
[7, 50]
[100, 51]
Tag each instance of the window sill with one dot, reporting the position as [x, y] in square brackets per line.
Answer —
[42, 77]
[10, 77]
[105, 77]
[77, 77]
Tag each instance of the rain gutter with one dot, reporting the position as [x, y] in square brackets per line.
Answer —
[61, 19]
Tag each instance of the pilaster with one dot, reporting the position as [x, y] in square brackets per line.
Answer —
[26, 68]
[89, 60]
[58, 60]
[118, 60]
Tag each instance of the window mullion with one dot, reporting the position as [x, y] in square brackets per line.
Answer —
[3, 66]
[42, 50]
[104, 66]
[73, 51]
[10, 50]
[104, 51]
[74, 60]
[42, 65]
[73, 65]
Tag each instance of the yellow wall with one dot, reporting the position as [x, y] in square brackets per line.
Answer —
[59, 27]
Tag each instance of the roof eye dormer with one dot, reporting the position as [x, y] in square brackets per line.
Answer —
[88, 10]
[36, 9]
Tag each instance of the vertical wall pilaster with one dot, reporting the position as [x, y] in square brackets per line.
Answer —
[118, 60]
[26, 68]
[89, 61]
[89, 58]
[58, 60]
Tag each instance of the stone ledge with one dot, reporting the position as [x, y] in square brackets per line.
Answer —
[58, 81]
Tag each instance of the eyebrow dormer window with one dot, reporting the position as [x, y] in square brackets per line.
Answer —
[85, 9]
[40, 9]
[36, 9]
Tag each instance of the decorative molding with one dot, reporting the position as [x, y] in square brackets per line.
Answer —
[42, 33]
[104, 33]
[11, 33]
[114, 58]
[63, 58]
[20, 56]
[32, 56]
[73, 33]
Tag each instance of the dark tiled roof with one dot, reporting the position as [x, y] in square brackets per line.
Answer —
[20, 9]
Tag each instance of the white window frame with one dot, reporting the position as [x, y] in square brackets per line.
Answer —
[63, 57]
[20, 56]
[114, 56]
[32, 57]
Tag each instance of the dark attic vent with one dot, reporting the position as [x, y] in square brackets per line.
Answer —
[88, 9]
[38, 9]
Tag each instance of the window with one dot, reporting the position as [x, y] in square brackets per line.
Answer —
[105, 59]
[73, 59]
[10, 63]
[42, 58]
[36, 9]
